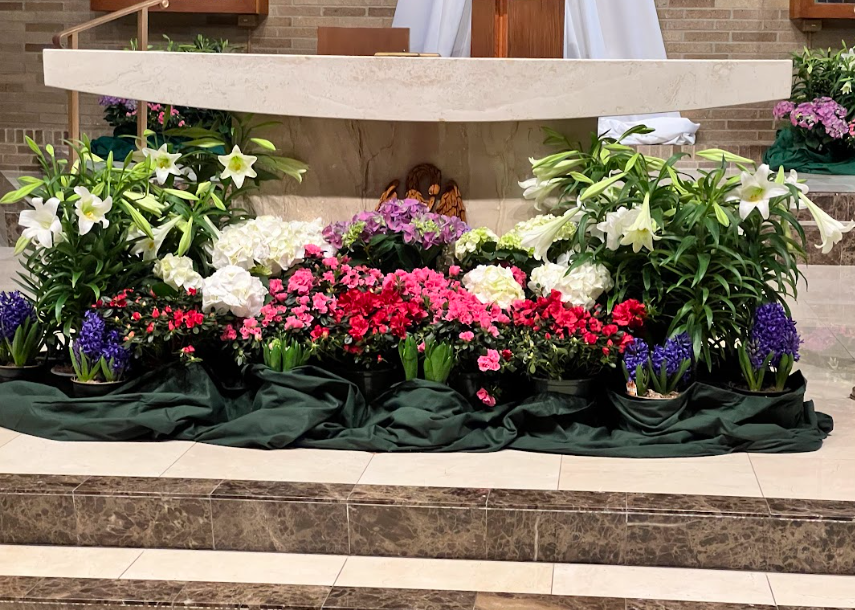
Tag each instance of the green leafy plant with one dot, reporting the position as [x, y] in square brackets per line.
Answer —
[408, 352]
[701, 252]
[439, 361]
[75, 242]
[283, 355]
[24, 346]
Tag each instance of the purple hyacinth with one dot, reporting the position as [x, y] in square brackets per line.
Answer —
[677, 350]
[90, 340]
[109, 100]
[772, 332]
[15, 309]
[636, 353]
[115, 353]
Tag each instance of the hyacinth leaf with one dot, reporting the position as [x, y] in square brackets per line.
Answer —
[747, 368]
[439, 360]
[640, 381]
[409, 354]
[785, 367]
[273, 354]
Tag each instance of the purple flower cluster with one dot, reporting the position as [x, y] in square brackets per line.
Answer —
[772, 332]
[15, 309]
[409, 218]
[676, 350]
[821, 111]
[96, 341]
[636, 353]
[109, 100]
[670, 356]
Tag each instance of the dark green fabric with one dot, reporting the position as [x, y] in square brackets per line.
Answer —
[310, 407]
[791, 154]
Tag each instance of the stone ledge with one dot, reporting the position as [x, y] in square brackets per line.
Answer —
[743, 533]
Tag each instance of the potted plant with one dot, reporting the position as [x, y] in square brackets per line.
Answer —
[21, 338]
[401, 234]
[660, 373]
[564, 348]
[99, 357]
[767, 355]
[282, 354]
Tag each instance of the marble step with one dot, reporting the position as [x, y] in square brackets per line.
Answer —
[66, 578]
[638, 529]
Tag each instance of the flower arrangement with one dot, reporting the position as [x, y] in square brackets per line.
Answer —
[554, 340]
[701, 252]
[772, 346]
[401, 234]
[98, 353]
[158, 329]
[21, 335]
[660, 372]
[818, 131]
[581, 285]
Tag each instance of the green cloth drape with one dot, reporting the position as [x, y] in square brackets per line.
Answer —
[310, 407]
[790, 154]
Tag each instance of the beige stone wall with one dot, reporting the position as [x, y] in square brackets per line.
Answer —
[692, 29]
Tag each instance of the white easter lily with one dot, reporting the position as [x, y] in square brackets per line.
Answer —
[830, 230]
[641, 233]
[238, 166]
[163, 162]
[613, 228]
[41, 224]
[793, 178]
[91, 210]
[145, 246]
[539, 190]
[755, 192]
[539, 239]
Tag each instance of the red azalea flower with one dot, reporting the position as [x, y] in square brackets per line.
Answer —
[630, 313]
[150, 328]
[155, 313]
[136, 316]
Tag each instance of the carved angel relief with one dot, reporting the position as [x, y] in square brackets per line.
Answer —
[449, 203]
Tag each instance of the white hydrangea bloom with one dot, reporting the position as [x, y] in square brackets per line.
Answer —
[178, 272]
[492, 284]
[580, 287]
[233, 289]
[268, 241]
[239, 245]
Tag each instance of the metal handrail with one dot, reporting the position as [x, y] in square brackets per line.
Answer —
[72, 34]
[94, 23]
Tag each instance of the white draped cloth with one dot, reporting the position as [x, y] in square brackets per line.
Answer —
[594, 29]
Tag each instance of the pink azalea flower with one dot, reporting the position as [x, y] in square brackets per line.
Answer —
[485, 397]
[490, 362]
[467, 336]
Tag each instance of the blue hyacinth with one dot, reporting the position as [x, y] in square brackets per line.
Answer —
[15, 309]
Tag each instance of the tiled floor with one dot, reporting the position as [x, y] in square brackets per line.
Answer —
[825, 314]
[438, 574]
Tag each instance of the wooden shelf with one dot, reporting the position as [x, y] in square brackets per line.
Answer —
[811, 9]
[211, 7]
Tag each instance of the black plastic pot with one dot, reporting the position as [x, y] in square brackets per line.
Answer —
[94, 390]
[33, 373]
[60, 377]
[371, 383]
[569, 387]
[467, 385]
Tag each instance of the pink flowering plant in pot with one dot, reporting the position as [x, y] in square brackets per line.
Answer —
[348, 316]
[463, 339]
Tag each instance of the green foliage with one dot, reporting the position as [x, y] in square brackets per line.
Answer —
[66, 279]
[439, 361]
[824, 73]
[408, 352]
[756, 379]
[25, 345]
[709, 268]
[283, 355]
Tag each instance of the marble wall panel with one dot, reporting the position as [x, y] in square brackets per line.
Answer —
[352, 162]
